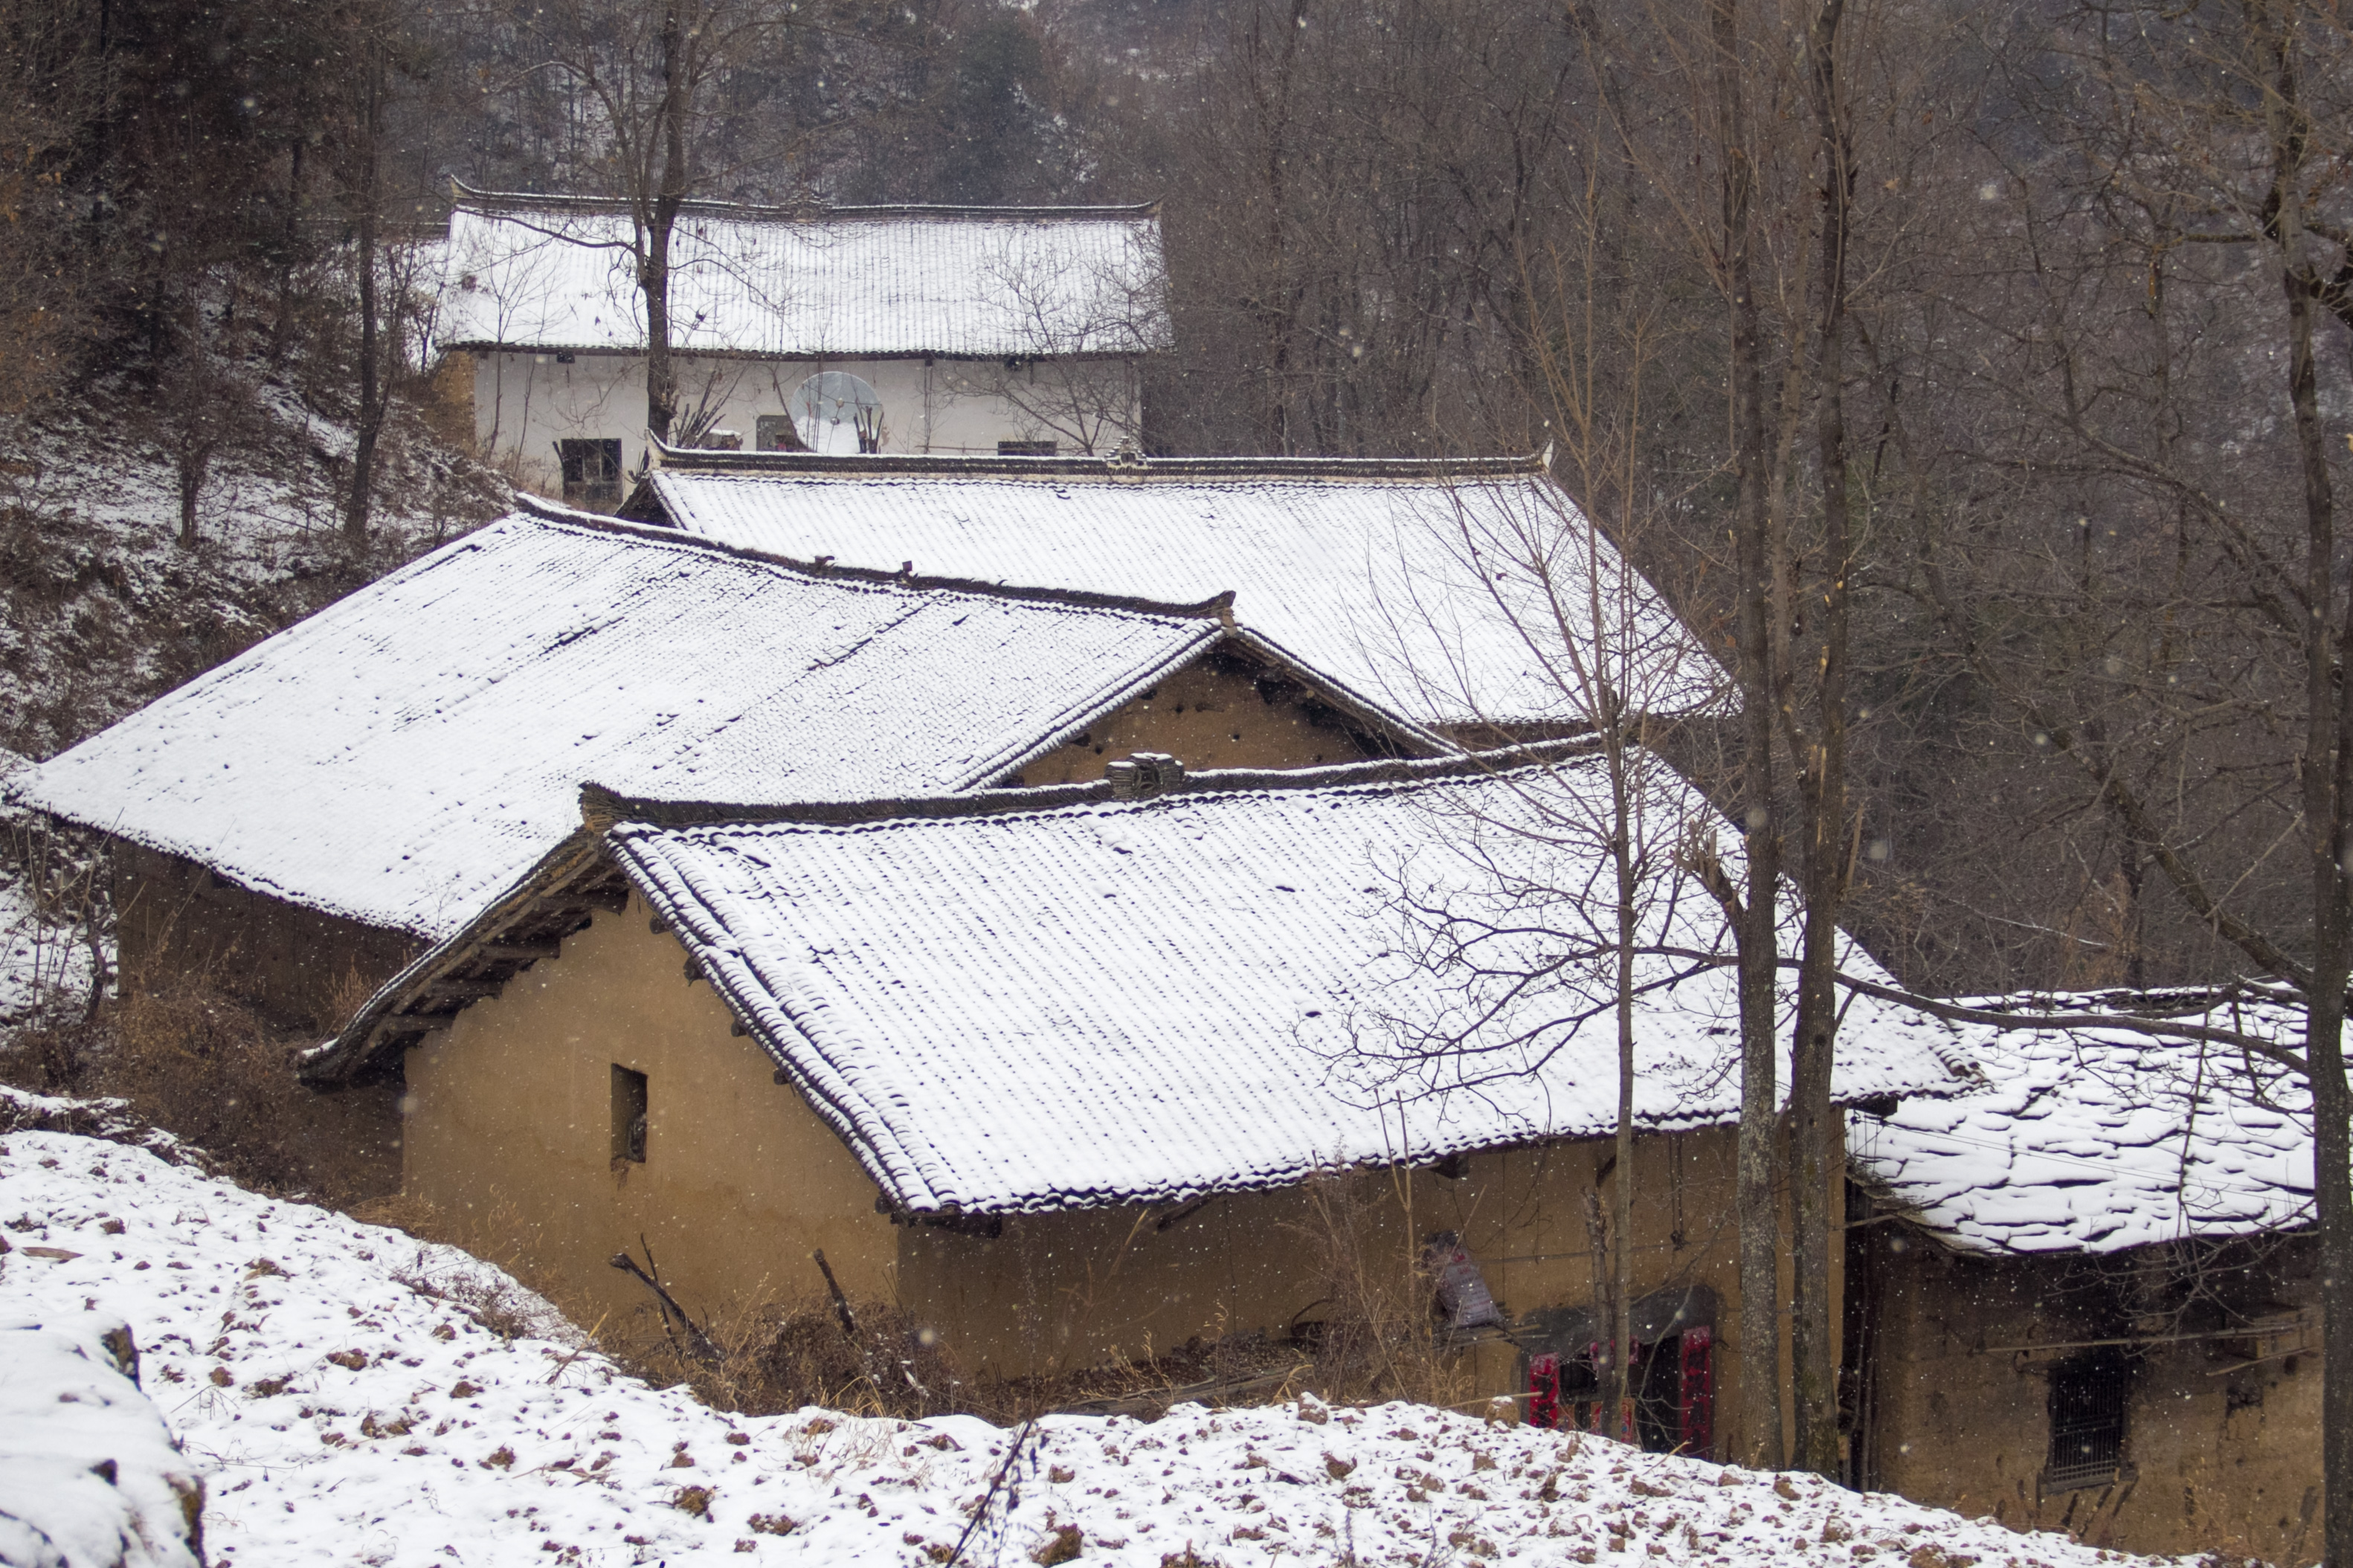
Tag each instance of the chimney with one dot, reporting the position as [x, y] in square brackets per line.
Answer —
[1143, 774]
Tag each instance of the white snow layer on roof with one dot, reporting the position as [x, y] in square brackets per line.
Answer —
[843, 285]
[1412, 591]
[1213, 991]
[409, 753]
[2101, 1140]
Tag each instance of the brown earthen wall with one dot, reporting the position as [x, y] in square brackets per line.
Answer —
[510, 1132]
[449, 400]
[1208, 715]
[178, 923]
[510, 1128]
[1077, 1288]
[2221, 1456]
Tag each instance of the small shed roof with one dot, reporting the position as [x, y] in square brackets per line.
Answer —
[1410, 581]
[407, 755]
[1219, 989]
[2100, 1139]
[558, 273]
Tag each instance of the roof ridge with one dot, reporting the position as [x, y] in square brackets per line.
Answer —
[1117, 466]
[467, 197]
[1218, 607]
[603, 809]
[2159, 1000]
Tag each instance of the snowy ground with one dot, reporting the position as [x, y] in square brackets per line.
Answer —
[340, 1386]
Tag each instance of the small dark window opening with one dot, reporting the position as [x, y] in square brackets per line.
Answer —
[2088, 1393]
[776, 432]
[1027, 449]
[628, 1115]
[592, 471]
[1674, 1392]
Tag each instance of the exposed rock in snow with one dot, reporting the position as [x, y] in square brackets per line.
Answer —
[354, 1396]
[89, 1476]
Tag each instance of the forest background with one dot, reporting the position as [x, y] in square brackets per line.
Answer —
[1425, 226]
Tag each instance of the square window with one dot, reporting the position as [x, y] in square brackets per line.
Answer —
[776, 432]
[628, 1115]
[592, 471]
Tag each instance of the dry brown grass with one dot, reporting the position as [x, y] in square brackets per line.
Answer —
[772, 1357]
[217, 1074]
[1377, 1339]
[1380, 1337]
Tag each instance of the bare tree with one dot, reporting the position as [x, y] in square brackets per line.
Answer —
[1620, 822]
[2147, 592]
[363, 187]
[670, 83]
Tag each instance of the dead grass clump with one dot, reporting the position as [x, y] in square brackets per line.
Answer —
[489, 1297]
[217, 1074]
[1380, 1337]
[1226, 1369]
[770, 1358]
[55, 1055]
[494, 1283]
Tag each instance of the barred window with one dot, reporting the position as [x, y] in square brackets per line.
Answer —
[2088, 1395]
[592, 471]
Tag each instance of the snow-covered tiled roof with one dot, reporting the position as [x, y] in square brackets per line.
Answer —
[1213, 990]
[409, 753]
[1406, 581]
[2099, 1140]
[546, 273]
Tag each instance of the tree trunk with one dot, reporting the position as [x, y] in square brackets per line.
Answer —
[1608, 1371]
[1758, 936]
[371, 368]
[660, 219]
[1275, 305]
[1814, 1131]
[1621, 1295]
[2327, 783]
[189, 473]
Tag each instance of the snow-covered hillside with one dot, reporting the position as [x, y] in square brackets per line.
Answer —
[102, 609]
[353, 1397]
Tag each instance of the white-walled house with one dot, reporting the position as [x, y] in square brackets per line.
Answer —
[902, 328]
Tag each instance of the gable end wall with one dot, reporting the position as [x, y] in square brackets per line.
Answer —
[509, 1136]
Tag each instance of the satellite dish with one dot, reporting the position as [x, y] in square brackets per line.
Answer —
[839, 414]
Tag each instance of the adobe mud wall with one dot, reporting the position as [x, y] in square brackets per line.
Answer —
[1086, 1286]
[1215, 713]
[178, 923]
[2220, 1429]
[511, 1132]
[511, 1129]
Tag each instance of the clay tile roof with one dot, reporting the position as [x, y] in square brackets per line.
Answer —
[555, 273]
[1404, 578]
[1125, 1001]
[2101, 1140]
[407, 753]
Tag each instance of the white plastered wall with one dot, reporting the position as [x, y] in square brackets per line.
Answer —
[524, 402]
